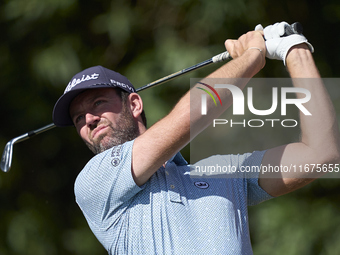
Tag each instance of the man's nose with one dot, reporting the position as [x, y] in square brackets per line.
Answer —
[92, 119]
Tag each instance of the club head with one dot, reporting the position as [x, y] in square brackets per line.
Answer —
[6, 159]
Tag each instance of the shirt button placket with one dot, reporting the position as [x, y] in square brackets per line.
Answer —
[173, 194]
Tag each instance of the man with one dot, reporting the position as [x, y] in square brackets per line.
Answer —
[137, 194]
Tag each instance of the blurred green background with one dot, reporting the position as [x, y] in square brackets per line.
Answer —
[45, 42]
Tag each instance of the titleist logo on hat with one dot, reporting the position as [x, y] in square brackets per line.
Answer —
[76, 81]
[99, 76]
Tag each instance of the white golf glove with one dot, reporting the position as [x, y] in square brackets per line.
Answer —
[277, 43]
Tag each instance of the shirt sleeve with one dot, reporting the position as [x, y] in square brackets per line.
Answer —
[252, 163]
[105, 186]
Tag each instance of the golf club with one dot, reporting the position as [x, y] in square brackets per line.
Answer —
[6, 159]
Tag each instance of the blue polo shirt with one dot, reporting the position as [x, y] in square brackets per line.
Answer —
[171, 213]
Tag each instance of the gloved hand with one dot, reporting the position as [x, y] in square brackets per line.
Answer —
[277, 43]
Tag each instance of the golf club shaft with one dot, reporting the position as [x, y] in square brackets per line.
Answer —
[218, 58]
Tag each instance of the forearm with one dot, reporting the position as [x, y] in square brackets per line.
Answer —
[185, 121]
[300, 63]
[319, 132]
[319, 142]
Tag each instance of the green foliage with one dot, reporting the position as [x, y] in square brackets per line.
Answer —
[45, 42]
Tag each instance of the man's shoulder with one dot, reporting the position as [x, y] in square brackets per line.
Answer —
[112, 159]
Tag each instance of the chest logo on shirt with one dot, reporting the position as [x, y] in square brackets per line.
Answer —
[202, 185]
[116, 155]
[116, 151]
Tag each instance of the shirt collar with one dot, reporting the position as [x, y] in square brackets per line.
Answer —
[178, 159]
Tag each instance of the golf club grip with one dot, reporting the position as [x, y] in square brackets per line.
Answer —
[221, 57]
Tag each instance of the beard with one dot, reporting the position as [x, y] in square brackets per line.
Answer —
[126, 129]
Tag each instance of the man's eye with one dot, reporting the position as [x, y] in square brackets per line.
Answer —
[79, 118]
[98, 102]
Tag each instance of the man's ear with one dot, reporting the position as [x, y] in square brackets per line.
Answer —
[136, 104]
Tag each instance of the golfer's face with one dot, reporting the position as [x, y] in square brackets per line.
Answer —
[95, 112]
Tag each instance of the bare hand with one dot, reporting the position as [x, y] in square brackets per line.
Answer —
[252, 39]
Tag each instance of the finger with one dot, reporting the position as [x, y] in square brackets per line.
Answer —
[275, 31]
[259, 27]
[281, 28]
[230, 47]
[268, 32]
